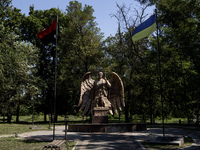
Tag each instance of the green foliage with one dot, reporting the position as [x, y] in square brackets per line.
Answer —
[179, 36]
[17, 67]
[180, 56]
[10, 17]
[79, 52]
[81, 41]
[27, 66]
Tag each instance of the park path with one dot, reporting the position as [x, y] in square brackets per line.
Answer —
[105, 141]
[128, 141]
[117, 141]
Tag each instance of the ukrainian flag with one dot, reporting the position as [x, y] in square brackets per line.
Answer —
[145, 29]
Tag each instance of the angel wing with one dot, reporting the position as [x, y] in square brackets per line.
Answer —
[86, 93]
[116, 96]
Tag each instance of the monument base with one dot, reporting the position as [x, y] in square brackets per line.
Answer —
[100, 115]
[107, 128]
[100, 119]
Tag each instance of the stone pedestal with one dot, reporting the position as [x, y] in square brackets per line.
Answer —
[100, 115]
[107, 127]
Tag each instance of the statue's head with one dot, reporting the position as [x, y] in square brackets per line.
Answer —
[100, 75]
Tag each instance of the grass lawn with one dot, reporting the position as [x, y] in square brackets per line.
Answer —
[26, 122]
[6, 128]
[12, 143]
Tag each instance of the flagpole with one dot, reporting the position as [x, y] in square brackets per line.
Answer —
[55, 59]
[160, 76]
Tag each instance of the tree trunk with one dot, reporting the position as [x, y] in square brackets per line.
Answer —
[17, 117]
[152, 120]
[127, 107]
[144, 119]
[9, 118]
[52, 119]
[3, 118]
[45, 114]
[188, 119]
[56, 117]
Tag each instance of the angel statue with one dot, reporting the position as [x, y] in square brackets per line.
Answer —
[101, 93]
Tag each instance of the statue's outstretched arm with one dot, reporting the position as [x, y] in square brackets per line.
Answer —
[108, 83]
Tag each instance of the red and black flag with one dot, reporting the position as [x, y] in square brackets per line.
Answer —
[48, 35]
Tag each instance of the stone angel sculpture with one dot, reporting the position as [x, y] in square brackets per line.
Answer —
[101, 93]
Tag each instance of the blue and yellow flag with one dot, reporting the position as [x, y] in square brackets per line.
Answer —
[145, 29]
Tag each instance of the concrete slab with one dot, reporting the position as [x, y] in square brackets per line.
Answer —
[167, 140]
[128, 140]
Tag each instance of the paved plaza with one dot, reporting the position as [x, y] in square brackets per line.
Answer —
[113, 141]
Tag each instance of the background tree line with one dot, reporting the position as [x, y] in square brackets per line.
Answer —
[27, 66]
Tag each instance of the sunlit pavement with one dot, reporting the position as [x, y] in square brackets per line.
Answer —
[126, 141]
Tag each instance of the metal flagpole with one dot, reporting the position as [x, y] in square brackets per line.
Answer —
[160, 76]
[55, 59]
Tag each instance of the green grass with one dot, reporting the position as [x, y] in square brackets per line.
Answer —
[26, 122]
[171, 120]
[187, 142]
[70, 145]
[12, 143]
[39, 119]
[6, 128]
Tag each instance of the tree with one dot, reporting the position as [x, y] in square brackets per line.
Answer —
[83, 37]
[31, 25]
[80, 51]
[179, 22]
[140, 64]
[182, 36]
[17, 68]
[10, 16]
[17, 60]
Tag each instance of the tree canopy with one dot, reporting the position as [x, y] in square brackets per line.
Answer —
[27, 66]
